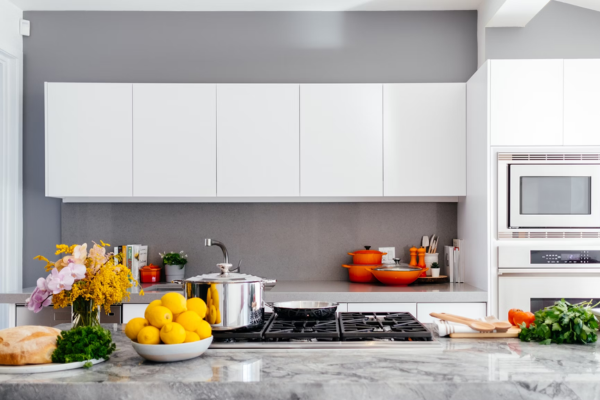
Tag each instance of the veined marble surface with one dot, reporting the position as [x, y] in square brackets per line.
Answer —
[464, 369]
[333, 291]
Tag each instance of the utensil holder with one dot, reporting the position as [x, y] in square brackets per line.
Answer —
[430, 258]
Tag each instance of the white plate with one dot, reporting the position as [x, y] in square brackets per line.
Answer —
[34, 369]
[172, 352]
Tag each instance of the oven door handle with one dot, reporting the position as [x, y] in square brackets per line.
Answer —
[502, 271]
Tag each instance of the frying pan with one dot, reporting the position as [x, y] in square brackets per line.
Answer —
[304, 309]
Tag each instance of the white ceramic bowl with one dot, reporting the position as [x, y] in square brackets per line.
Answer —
[172, 352]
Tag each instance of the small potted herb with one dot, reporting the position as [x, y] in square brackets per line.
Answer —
[174, 265]
[435, 270]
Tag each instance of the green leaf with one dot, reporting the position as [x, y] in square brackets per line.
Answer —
[546, 342]
[87, 365]
[556, 327]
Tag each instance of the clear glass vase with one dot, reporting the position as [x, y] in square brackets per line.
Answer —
[85, 313]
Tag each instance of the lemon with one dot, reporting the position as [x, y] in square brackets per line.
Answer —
[214, 295]
[198, 305]
[172, 333]
[158, 316]
[149, 335]
[191, 337]
[212, 315]
[189, 320]
[134, 327]
[153, 303]
[204, 331]
[174, 302]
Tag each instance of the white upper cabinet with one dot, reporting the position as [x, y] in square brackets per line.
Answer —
[258, 140]
[582, 102]
[88, 140]
[174, 140]
[527, 102]
[341, 140]
[424, 139]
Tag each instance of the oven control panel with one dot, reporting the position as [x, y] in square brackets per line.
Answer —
[565, 256]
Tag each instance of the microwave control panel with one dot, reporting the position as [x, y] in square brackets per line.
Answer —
[565, 257]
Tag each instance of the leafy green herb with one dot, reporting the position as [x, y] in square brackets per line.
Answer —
[82, 344]
[562, 323]
[88, 364]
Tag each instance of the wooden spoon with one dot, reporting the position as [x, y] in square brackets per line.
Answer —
[501, 326]
[473, 324]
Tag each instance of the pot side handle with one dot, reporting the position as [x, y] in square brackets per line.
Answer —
[351, 254]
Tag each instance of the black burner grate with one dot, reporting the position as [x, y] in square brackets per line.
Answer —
[245, 334]
[382, 325]
[303, 329]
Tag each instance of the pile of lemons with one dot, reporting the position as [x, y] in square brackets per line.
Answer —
[171, 320]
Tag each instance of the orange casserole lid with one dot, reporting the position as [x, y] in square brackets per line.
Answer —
[367, 251]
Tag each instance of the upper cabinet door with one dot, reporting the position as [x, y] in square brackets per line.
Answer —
[88, 139]
[527, 102]
[582, 102]
[258, 140]
[341, 140]
[424, 130]
[174, 140]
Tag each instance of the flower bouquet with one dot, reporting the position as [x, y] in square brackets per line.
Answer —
[87, 280]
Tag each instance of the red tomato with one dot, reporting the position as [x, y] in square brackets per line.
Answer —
[511, 315]
[522, 316]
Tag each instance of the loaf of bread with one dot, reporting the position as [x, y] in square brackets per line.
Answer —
[27, 345]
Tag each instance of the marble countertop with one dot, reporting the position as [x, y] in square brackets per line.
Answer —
[333, 291]
[462, 369]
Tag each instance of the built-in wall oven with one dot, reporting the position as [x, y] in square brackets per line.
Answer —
[534, 276]
[548, 195]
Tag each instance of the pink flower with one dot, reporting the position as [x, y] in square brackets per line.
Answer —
[77, 271]
[39, 299]
[62, 280]
[79, 254]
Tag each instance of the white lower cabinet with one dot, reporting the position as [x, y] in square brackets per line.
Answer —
[131, 311]
[383, 307]
[469, 310]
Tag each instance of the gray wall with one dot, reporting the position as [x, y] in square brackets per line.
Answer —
[235, 47]
[559, 31]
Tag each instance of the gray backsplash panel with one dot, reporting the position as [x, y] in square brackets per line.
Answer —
[286, 241]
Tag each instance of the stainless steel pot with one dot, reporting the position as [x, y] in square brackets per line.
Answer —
[234, 300]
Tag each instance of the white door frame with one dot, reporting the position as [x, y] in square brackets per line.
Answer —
[11, 180]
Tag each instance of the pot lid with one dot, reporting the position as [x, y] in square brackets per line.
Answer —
[367, 251]
[225, 276]
[398, 267]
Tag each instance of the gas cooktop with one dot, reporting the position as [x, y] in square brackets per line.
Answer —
[373, 330]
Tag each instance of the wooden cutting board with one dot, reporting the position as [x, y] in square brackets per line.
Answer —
[511, 333]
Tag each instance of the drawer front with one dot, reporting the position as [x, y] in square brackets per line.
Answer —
[383, 307]
[469, 310]
[48, 316]
[114, 317]
[131, 311]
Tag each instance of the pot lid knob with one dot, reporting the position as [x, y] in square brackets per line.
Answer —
[224, 267]
[367, 247]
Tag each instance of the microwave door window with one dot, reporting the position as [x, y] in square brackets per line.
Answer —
[555, 195]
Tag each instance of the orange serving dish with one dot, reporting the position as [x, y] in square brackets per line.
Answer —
[398, 275]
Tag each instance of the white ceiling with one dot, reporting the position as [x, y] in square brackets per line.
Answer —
[591, 4]
[245, 5]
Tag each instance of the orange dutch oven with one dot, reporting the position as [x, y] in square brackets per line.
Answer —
[361, 273]
[367, 257]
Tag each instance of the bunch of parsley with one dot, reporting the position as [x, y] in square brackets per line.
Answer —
[562, 323]
[83, 344]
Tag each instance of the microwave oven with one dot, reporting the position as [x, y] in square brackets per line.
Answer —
[553, 195]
